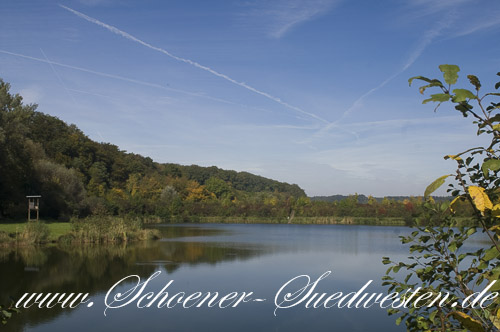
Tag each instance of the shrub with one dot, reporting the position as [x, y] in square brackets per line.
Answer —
[35, 233]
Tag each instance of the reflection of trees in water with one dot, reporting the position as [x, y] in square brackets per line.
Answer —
[194, 253]
[94, 269]
[168, 231]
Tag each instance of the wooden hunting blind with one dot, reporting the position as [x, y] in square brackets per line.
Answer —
[33, 204]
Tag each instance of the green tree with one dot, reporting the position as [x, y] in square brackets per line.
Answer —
[439, 262]
[218, 187]
[62, 189]
[16, 162]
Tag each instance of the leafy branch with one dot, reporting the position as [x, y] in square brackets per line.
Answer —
[439, 263]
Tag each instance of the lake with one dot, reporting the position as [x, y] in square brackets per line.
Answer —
[209, 257]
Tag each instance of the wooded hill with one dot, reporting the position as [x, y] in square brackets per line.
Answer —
[41, 154]
[76, 176]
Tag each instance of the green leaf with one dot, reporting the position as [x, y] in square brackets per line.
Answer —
[463, 95]
[474, 81]
[422, 78]
[438, 97]
[452, 247]
[471, 231]
[490, 165]
[432, 316]
[435, 185]
[432, 84]
[450, 73]
[495, 287]
[490, 254]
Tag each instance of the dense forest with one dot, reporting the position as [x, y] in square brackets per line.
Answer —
[40, 154]
[76, 176]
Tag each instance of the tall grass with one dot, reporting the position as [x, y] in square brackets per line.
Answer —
[35, 233]
[26, 234]
[108, 229]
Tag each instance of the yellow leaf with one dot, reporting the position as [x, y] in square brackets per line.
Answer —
[468, 322]
[453, 202]
[496, 210]
[495, 321]
[480, 199]
[496, 229]
[454, 157]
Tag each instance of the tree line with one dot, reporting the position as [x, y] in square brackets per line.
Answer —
[41, 154]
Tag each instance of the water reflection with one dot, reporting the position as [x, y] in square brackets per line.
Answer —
[93, 269]
[169, 231]
[211, 257]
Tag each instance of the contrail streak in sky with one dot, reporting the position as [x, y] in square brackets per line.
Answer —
[130, 80]
[191, 62]
[121, 78]
[58, 77]
[422, 45]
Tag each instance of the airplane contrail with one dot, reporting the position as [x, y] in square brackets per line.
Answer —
[131, 80]
[428, 38]
[58, 77]
[191, 62]
[122, 78]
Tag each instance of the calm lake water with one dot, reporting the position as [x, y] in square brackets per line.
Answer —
[214, 257]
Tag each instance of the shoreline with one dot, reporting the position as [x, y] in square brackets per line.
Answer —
[114, 229]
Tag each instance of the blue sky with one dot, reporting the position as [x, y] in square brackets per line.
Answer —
[308, 92]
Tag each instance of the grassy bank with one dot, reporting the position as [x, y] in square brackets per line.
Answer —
[55, 229]
[108, 229]
[88, 230]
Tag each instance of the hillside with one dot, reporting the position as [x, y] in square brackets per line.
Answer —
[41, 154]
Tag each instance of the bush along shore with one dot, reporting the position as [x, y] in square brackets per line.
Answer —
[94, 229]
